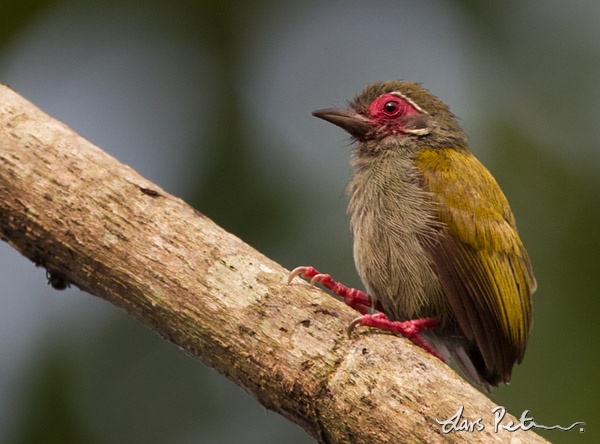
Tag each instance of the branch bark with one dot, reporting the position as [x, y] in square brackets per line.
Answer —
[75, 210]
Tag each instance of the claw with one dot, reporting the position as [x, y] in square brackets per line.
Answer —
[318, 277]
[352, 325]
[362, 320]
[302, 271]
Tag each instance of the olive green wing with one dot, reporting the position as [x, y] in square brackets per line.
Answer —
[482, 264]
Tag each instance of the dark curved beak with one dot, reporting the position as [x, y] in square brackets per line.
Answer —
[347, 119]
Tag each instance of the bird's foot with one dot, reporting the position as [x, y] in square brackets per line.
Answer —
[358, 300]
[410, 329]
[361, 302]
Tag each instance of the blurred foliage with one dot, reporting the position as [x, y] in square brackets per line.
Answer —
[16, 15]
[51, 416]
[122, 383]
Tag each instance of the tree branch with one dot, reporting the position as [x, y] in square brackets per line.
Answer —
[70, 207]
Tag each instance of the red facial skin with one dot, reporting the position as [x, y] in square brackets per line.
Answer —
[389, 113]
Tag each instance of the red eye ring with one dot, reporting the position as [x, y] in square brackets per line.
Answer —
[390, 107]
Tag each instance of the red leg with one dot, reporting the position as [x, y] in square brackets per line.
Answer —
[362, 303]
[356, 299]
[410, 329]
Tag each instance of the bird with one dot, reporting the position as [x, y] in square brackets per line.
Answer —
[435, 242]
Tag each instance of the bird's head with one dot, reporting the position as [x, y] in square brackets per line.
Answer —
[401, 110]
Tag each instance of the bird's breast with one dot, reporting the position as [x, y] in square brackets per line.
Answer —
[391, 216]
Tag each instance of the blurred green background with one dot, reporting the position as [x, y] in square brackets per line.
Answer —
[212, 101]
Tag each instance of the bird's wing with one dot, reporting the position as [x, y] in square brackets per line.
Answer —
[483, 267]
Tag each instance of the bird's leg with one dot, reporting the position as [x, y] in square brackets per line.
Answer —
[361, 302]
[356, 299]
[410, 329]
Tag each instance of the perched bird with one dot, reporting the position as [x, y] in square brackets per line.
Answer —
[434, 237]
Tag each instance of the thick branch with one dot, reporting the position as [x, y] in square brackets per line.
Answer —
[75, 210]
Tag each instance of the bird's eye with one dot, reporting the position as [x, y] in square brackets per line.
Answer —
[391, 108]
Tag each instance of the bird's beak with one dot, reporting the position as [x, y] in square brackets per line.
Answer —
[346, 119]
